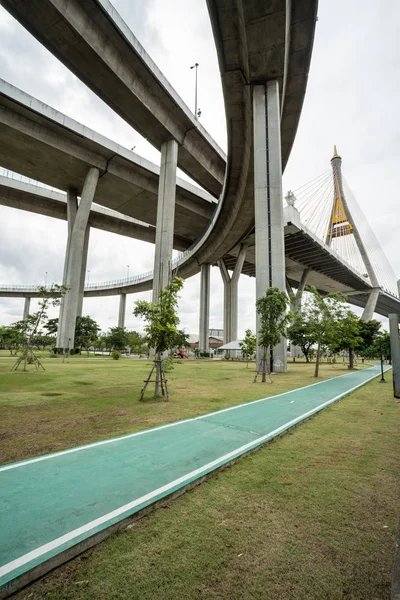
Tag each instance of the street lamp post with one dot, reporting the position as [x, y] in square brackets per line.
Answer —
[45, 279]
[88, 277]
[197, 112]
[127, 271]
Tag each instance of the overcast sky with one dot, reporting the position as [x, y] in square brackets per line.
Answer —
[352, 101]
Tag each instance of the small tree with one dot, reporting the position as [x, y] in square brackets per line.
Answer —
[322, 315]
[347, 335]
[161, 330]
[301, 334]
[30, 326]
[118, 338]
[86, 331]
[274, 319]
[248, 345]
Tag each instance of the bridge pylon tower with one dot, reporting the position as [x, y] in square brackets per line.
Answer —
[342, 223]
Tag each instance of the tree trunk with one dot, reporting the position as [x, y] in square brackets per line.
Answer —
[158, 375]
[351, 359]
[305, 352]
[264, 368]
[317, 362]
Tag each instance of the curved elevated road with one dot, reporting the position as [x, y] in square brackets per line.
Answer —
[254, 42]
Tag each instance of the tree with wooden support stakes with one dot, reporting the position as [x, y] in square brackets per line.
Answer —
[274, 319]
[30, 326]
[161, 332]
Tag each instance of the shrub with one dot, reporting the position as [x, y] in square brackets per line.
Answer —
[116, 355]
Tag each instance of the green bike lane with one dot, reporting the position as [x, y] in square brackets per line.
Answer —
[51, 503]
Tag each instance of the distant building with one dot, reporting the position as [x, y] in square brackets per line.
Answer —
[214, 342]
[216, 332]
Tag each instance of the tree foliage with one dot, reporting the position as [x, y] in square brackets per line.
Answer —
[322, 314]
[248, 345]
[30, 326]
[161, 325]
[301, 334]
[347, 334]
[274, 319]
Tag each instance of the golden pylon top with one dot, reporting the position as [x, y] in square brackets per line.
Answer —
[335, 153]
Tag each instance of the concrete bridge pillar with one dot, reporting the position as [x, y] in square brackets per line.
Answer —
[295, 307]
[231, 296]
[368, 312]
[83, 270]
[269, 232]
[395, 351]
[204, 324]
[27, 305]
[165, 217]
[77, 236]
[121, 312]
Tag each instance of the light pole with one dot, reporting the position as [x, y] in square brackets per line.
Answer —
[88, 277]
[45, 279]
[197, 113]
[127, 271]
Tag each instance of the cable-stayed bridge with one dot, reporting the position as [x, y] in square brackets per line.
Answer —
[319, 240]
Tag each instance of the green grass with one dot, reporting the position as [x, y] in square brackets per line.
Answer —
[312, 516]
[83, 401]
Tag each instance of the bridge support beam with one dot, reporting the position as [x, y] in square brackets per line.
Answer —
[122, 310]
[368, 312]
[27, 305]
[295, 307]
[395, 351]
[269, 233]
[204, 324]
[77, 235]
[165, 217]
[83, 270]
[231, 297]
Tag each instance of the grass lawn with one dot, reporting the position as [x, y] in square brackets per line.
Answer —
[311, 516]
[84, 401]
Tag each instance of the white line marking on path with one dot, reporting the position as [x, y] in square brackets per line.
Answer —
[31, 461]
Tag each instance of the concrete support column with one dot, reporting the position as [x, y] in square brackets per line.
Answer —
[295, 306]
[300, 291]
[227, 300]
[269, 235]
[368, 312]
[165, 217]
[121, 312]
[27, 305]
[235, 294]
[75, 252]
[395, 351]
[83, 270]
[204, 324]
[72, 207]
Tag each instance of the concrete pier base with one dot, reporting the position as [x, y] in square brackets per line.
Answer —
[269, 236]
[122, 310]
[165, 217]
[204, 323]
[78, 235]
[395, 351]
